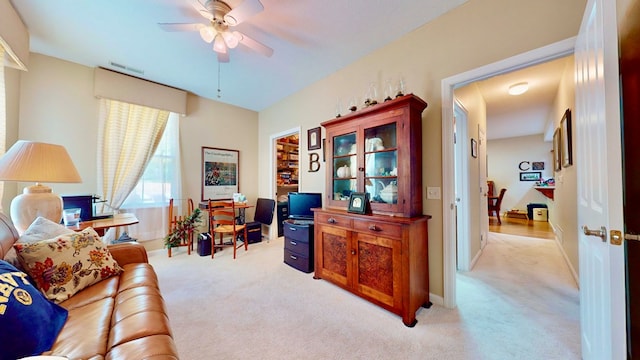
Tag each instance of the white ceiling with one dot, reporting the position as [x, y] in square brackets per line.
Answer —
[529, 113]
[311, 39]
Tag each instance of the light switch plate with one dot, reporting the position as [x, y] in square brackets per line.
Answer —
[433, 193]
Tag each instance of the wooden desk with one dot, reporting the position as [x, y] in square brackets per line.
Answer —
[204, 205]
[102, 225]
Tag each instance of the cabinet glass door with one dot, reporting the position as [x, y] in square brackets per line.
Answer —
[381, 164]
[345, 166]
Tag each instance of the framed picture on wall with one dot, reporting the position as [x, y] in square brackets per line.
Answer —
[531, 176]
[313, 139]
[567, 153]
[220, 173]
[557, 156]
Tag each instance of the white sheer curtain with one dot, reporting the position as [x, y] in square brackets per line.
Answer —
[128, 136]
[161, 181]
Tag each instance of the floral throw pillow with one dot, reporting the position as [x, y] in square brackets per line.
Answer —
[66, 264]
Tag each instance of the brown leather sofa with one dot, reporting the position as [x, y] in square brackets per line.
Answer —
[122, 317]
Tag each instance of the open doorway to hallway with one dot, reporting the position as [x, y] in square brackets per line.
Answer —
[478, 115]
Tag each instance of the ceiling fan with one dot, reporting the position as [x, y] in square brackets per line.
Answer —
[221, 18]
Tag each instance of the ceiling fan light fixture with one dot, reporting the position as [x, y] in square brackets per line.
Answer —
[230, 39]
[218, 44]
[519, 88]
[207, 33]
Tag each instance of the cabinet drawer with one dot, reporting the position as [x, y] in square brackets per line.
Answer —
[298, 261]
[378, 228]
[335, 220]
[296, 246]
[298, 233]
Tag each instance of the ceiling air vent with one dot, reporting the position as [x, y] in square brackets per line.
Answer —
[126, 68]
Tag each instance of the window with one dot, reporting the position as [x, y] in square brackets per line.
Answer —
[161, 179]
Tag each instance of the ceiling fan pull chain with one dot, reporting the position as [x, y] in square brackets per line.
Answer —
[219, 91]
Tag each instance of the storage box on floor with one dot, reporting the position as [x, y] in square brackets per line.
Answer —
[254, 232]
[537, 212]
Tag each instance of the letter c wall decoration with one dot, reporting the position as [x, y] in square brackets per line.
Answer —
[524, 166]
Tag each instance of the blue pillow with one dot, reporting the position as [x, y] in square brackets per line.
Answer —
[29, 323]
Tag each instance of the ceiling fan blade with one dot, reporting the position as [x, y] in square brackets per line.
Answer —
[253, 44]
[223, 58]
[181, 26]
[240, 13]
[200, 8]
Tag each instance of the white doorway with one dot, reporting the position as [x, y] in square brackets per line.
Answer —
[273, 182]
[537, 56]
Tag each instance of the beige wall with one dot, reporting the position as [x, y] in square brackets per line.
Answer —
[475, 34]
[564, 209]
[56, 104]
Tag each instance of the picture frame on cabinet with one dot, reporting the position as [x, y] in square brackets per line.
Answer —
[359, 203]
[314, 138]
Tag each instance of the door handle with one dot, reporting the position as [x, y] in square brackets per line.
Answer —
[602, 233]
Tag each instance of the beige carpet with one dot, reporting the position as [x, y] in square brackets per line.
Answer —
[519, 302]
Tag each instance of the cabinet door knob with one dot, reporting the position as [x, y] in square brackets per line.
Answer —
[331, 221]
[353, 252]
[374, 228]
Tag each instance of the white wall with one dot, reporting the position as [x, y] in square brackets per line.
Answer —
[505, 156]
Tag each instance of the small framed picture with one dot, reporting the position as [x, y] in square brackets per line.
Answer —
[537, 165]
[313, 139]
[531, 176]
[359, 203]
[474, 148]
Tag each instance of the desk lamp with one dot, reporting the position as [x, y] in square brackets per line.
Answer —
[30, 161]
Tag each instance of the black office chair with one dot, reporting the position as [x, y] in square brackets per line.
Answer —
[263, 216]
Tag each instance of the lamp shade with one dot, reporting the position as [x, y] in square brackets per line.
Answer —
[37, 162]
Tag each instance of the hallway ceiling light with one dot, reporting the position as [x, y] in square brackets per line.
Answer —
[519, 88]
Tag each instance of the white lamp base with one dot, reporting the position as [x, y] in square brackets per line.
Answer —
[36, 200]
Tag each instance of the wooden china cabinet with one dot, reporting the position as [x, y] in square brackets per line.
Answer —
[382, 256]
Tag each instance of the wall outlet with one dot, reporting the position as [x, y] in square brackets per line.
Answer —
[433, 193]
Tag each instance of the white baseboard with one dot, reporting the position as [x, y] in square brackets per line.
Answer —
[436, 300]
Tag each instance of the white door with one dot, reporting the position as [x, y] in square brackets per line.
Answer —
[463, 222]
[483, 187]
[598, 161]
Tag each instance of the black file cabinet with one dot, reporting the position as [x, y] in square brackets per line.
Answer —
[283, 214]
[298, 245]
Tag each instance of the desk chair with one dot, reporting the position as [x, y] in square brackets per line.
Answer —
[263, 216]
[222, 221]
[495, 203]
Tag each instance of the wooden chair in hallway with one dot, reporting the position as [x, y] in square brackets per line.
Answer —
[494, 204]
[222, 221]
[186, 207]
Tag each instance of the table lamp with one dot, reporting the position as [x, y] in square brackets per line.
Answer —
[30, 161]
